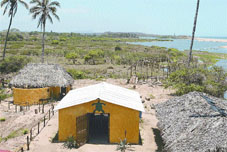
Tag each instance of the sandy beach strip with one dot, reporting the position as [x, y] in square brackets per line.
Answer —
[211, 40]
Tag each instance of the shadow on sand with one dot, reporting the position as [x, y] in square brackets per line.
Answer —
[158, 139]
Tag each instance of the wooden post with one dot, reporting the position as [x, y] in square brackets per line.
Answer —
[31, 135]
[27, 143]
[43, 109]
[44, 121]
[16, 108]
[49, 114]
[8, 105]
[38, 127]
[22, 149]
[39, 106]
[52, 109]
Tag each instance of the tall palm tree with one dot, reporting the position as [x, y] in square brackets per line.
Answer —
[44, 9]
[12, 6]
[193, 33]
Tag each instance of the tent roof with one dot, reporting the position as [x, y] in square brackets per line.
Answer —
[104, 91]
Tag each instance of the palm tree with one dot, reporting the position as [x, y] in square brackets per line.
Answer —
[193, 33]
[12, 6]
[44, 9]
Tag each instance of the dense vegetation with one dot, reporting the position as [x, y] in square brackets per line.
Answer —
[105, 56]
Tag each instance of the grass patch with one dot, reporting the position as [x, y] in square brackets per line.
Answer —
[2, 119]
[25, 131]
[152, 97]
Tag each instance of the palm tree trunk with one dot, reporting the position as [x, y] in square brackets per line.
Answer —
[193, 33]
[10, 23]
[43, 43]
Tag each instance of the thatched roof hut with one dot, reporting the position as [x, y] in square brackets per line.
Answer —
[188, 123]
[42, 75]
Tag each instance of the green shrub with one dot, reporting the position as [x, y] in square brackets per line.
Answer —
[25, 131]
[123, 145]
[70, 143]
[72, 56]
[13, 64]
[77, 74]
[2, 119]
[55, 42]
[118, 48]
[211, 81]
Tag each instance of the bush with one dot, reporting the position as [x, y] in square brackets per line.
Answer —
[25, 131]
[71, 143]
[72, 56]
[93, 56]
[55, 42]
[2, 119]
[13, 64]
[118, 48]
[211, 81]
[77, 74]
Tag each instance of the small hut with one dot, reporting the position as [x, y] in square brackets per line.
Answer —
[37, 82]
[193, 122]
[100, 113]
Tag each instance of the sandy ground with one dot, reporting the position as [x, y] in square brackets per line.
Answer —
[211, 40]
[43, 141]
[17, 121]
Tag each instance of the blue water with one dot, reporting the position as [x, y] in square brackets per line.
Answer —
[184, 44]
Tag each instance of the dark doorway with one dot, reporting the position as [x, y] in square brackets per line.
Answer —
[98, 128]
[63, 92]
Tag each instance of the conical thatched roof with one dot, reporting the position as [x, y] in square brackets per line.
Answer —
[188, 123]
[42, 75]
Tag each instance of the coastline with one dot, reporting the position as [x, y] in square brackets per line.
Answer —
[210, 39]
[213, 40]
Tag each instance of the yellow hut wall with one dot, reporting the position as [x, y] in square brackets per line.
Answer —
[21, 96]
[55, 92]
[32, 96]
[121, 119]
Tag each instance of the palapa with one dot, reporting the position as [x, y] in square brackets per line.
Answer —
[42, 75]
[189, 124]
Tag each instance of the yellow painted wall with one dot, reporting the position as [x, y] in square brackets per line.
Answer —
[55, 92]
[68, 89]
[32, 96]
[121, 119]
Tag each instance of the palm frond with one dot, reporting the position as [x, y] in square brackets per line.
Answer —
[6, 9]
[55, 3]
[4, 2]
[49, 17]
[36, 1]
[56, 16]
[23, 3]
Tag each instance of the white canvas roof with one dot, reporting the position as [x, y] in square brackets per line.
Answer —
[104, 91]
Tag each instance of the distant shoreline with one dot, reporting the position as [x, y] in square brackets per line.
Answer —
[210, 39]
[213, 40]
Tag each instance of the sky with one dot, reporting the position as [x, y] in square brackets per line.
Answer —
[165, 17]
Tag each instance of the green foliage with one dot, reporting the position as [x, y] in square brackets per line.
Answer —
[211, 81]
[2, 119]
[77, 74]
[55, 42]
[31, 52]
[25, 131]
[70, 143]
[15, 37]
[13, 64]
[118, 48]
[93, 56]
[123, 145]
[72, 56]
[152, 96]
